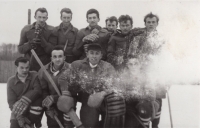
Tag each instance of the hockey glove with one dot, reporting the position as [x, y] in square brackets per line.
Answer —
[48, 101]
[24, 122]
[21, 106]
[96, 99]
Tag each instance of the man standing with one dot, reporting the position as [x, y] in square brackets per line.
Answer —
[66, 34]
[149, 43]
[23, 96]
[38, 37]
[91, 34]
[50, 96]
[119, 43]
[111, 24]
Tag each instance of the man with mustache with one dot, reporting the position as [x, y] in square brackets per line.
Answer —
[66, 34]
[91, 34]
[37, 36]
[23, 96]
[49, 95]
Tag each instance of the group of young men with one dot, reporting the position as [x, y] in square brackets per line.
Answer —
[67, 52]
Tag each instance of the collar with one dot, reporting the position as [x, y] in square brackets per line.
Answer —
[93, 66]
[86, 61]
[18, 80]
[33, 26]
[70, 26]
[64, 67]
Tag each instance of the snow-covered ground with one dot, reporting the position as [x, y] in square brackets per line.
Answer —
[185, 106]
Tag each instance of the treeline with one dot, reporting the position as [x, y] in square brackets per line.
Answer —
[9, 52]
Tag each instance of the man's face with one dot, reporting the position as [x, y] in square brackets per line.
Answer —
[94, 56]
[57, 57]
[151, 23]
[41, 17]
[92, 19]
[23, 69]
[66, 17]
[125, 26]
[111, 26]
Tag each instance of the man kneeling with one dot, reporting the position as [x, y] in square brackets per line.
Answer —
[23, 96]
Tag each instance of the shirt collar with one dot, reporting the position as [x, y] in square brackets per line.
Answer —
[86, 61]
[33, 26]
[70, 26]
[18, 80]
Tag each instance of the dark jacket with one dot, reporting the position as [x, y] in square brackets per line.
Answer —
[68, 36]
[16, 89]
[102, 40]
[43, 51]
[118, 46]
[47, 88]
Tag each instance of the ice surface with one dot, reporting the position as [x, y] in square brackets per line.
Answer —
[185, 106]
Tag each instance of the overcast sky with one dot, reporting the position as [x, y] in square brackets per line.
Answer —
[14, 14]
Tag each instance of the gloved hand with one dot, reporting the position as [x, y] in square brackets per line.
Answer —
[90, 37]
[34, 42]
[20, 106]
[51, 112]
[65, 103]
[48, 101]
[24, 122]
[96, 99]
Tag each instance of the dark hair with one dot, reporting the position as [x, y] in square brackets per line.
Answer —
[58, 47]
[92, 11]
[150, 15]
[66, 10]
[43, 10]
[111, 19]
[125, 18]
[21, 59]
[95, 47]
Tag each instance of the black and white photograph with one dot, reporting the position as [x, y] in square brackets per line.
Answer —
[100, 64]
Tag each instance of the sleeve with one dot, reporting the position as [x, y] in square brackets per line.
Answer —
[111, 57]
[11, 95]
[43, 84]
[23, 46]
[35, 91]
[78, 49]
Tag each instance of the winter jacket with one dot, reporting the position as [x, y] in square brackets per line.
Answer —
[68, 36]
[43, 50]
[16, 88]
[143, 46]
[118, 46]
[102, 40]
[47, 88]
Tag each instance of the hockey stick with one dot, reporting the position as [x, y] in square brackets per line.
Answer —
[48, 76]
[170, 113]
[71, 112]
